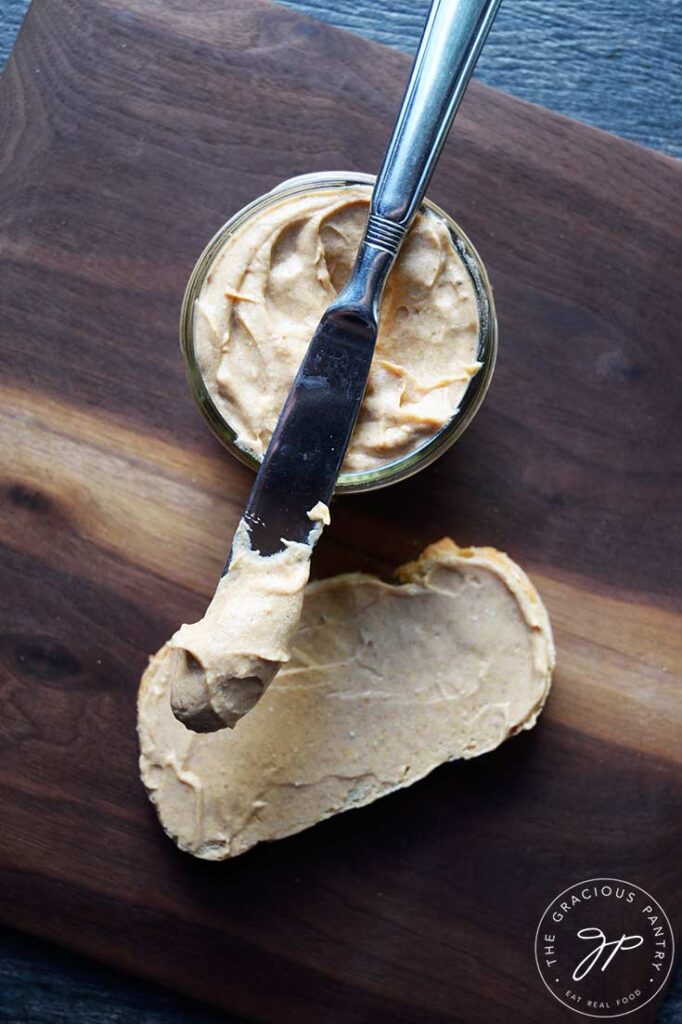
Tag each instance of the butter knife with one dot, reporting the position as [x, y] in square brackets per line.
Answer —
[304, 457]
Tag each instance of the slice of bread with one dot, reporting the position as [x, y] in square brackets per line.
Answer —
[386, 682]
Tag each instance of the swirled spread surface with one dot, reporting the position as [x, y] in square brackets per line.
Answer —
[267, 289]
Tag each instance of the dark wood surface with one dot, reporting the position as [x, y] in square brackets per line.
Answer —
[129, 134]
[578, 59]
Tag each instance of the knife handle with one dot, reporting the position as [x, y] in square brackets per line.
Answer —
[452, 40]
[451, 43]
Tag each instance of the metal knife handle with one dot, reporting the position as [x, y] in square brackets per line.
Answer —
[452, 40]
[451, 43]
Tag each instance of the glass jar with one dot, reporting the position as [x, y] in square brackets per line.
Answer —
[432, 447]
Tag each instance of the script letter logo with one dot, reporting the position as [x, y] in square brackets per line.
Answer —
[587, 963]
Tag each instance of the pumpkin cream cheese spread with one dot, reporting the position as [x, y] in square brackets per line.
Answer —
[220, 666]
[267, 289]
[385, 682]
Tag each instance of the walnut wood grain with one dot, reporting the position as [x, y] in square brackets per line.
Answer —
[129, 133]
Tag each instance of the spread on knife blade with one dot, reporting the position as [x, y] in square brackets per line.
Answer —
[221, 665]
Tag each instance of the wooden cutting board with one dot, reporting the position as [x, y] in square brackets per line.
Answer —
[130, 132]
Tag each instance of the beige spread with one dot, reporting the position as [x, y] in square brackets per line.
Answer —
[386, 681]
[271, 282]
[220, 666]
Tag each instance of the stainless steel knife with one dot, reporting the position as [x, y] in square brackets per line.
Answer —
[304, 457]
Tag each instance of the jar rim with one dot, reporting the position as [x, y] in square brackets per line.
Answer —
[435, 445]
